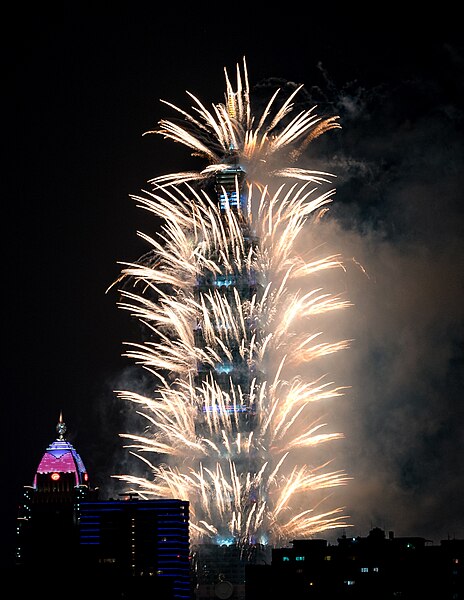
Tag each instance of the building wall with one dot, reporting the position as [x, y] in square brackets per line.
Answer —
[359, 568]
[137, 538]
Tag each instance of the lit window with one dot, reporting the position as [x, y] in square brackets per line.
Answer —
[285, 559]
[224, 368]
[364, 569]
[349, 582]
[328, 557]
[299, 558]
[375, 569]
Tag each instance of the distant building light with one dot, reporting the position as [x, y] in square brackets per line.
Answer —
[375, 569]
[224, 368]
[364, 569]
[285, 559]
[299, 558]
[349, 582]
[223, 541]
[230, 409]
[224, 281]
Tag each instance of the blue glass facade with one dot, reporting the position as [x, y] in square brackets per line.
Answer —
[138, 538]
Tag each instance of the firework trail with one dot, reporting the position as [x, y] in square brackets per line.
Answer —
[223, 293]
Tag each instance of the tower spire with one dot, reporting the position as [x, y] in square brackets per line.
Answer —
[61, 427]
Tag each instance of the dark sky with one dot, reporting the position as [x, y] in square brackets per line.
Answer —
[83, 85]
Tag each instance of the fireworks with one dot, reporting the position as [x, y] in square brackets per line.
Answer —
[231, 424]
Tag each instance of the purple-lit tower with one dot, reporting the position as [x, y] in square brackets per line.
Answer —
[48, 516]
[61, 469]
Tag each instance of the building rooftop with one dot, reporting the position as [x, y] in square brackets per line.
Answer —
[61, 457]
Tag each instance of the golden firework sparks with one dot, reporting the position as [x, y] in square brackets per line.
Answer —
[241, 480]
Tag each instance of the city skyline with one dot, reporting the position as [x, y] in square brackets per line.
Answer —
[82, 101]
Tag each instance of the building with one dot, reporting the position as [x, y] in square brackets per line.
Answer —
[142, 539]
[68, 541]
[229, 284]
[219, 563]
[219, 570]
[49, 511]
[361, 568]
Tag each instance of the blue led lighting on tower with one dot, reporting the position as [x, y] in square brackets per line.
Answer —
[138, 538]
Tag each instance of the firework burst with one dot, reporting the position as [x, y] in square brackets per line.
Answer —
[223, 293]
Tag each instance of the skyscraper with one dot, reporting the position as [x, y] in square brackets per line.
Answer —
[70, 540]
[228, 287]
[137, 542]
[49, 511]
[220, 567]
[222, 297]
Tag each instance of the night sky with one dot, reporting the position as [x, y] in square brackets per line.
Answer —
[82, 86]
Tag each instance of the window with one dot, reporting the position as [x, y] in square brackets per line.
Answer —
[364, 569]
[285, 559]
[299, 558]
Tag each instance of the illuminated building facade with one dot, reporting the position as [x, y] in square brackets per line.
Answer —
[143, 539]
[219, 567]
[49, 511]
[234, 373]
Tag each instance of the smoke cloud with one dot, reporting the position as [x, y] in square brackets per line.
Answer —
[397, 221]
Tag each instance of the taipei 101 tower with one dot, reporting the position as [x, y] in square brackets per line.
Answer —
[225, 295]
[230, 287]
